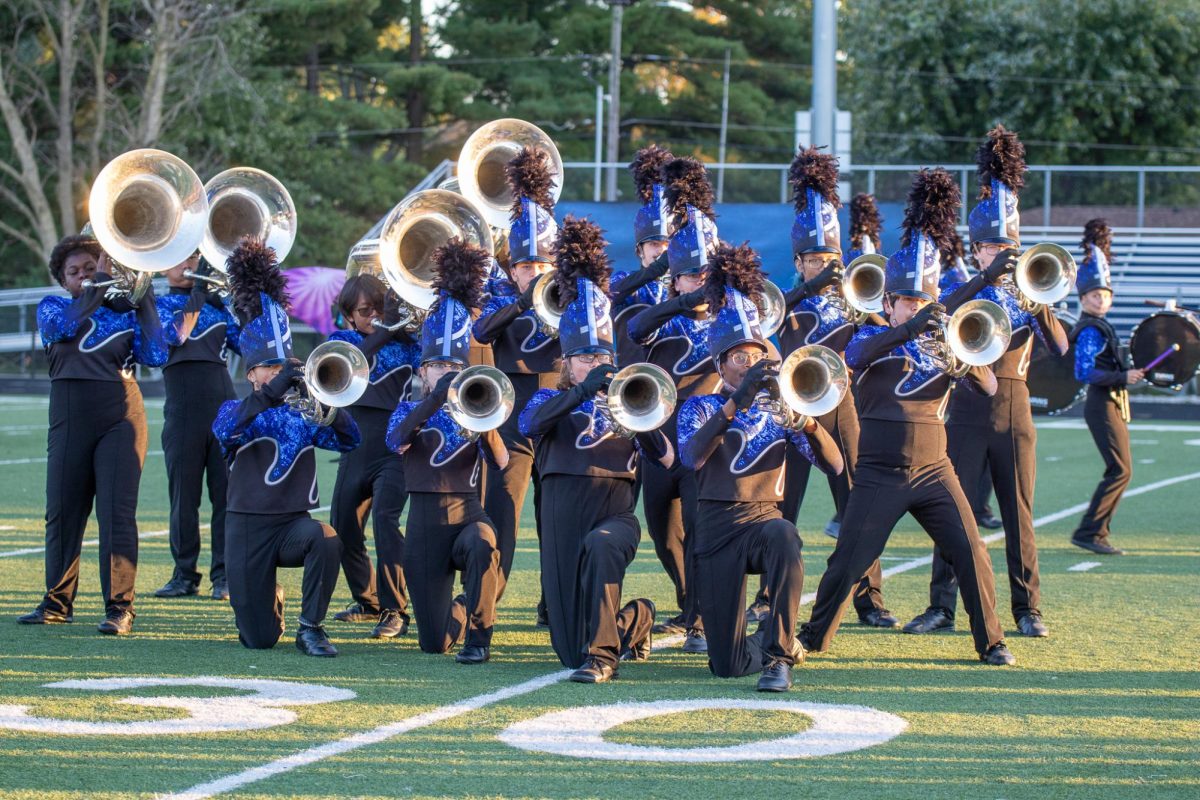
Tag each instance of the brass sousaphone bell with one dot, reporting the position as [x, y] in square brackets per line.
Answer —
[484, 157]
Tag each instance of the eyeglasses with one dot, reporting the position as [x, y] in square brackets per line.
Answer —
[592, 358]
[993, 249]
[445, 365]
[746, 358]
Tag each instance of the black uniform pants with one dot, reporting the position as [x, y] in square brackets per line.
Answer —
[95, 450]
[256, 545]
[1111, 435]
[669, 504]
[881, 495]
[733, 539]
[591, 537]
[504, 498]
[449, 533]
[370, 480]
[1007, 450]
[195, 392]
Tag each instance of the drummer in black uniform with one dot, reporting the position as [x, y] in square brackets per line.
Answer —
[1101, 363]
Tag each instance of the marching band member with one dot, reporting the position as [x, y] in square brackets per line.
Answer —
[817, 314]
[737, 451]
[675, 332]
[522, 351]
[902, 462]
[865, 224]
[590, 532]
[200, 330]
[269, 446]
[97, 439]
[448, 529]
[1104, 366]
[370, 477]
[999, 434]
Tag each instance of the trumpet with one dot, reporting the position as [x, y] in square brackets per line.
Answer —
[335, 375]
[245, 203]
[413, 230]
[975, 335]
[480, 399]
[1043, 275]
[484, 156]
[863, 284]
[812, 381]
[640, 398]
[548, 307]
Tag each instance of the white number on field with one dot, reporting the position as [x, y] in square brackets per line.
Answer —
[579, 732]
[263, 709]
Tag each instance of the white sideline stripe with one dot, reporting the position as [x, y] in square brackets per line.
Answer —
[42, 460]
[1079, 425]
[1083, 566]
[28, 551]
[314, 754]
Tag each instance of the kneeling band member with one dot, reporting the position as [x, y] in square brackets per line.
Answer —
[737, 450]
[590, 535]
[273, 470]
[448, 530]
[902, 467]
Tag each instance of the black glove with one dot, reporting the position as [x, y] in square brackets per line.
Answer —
[830, 276]
[1004, 263]
[196, 298]
[924, 319]
[391, 308]
[597, 380]
[743, 396]
[292, 375]
[660, 265]
[525, 301]
[442, 387]
[692, 299]
[215, 300]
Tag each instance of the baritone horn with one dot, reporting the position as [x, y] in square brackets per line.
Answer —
[863, 282]
[413, 230]
[484, 157]
[1044, 275]
[772, 309]
[548, 306]
[244, 202]
[640, 398]
[812, 381]
[335, 375]
[480, 398]
[978, 333]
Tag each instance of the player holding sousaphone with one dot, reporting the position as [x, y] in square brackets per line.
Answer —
[1004, 440]
[589, 433]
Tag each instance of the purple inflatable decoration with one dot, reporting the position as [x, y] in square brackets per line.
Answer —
[313, 291]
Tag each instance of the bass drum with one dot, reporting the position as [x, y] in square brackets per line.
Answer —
[1157, 332]
[1052, 385]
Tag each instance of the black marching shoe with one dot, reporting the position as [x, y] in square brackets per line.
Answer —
[640, 651]
[989, 521]
[356, 612]
[671, 626]
[757, 612]
[473, 654]
[1099, 546]
[543, 618]
[178, 587]
[998, 656]
[594, 671]
[313, 641]
[695, 642]
[1032, 625]
[220, 590]
[41, 616]
[879, 618]
[391, 624]
[776, 677]
[931, 620]
[117, 622]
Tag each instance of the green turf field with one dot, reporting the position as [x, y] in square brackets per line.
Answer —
[1107, 707]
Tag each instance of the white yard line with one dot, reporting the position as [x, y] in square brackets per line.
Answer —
[1083, 566]
[384, 732]
[11, 462]
[1079, 425]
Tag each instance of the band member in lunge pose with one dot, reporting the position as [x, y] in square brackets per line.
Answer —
[675, 332]
[370, 477]
[522, 350]
[736, 447]
[903, 382]
[998, 434]
[448, 529]
[97, 440]
[1104, 366]
[590, 532]
[269, 445]
[200, 331]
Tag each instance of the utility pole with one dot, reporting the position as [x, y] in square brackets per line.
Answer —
[612, 151]
[824, 83]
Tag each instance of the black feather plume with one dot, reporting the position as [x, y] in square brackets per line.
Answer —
[865, 220]
[647, 168]
[1097, 234]
[1001, 156]
[253, 268]
[933, 204]
[812, 169]
[733, 267]
[580, 252]
[529, 176]
[460, 269]
[685, 183]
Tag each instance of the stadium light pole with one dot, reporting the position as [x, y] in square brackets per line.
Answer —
[824, 80]
[612, 153]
